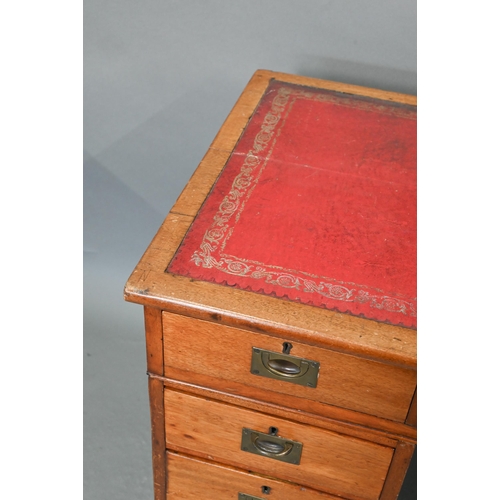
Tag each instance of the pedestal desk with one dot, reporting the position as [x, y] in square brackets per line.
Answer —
[280, 301]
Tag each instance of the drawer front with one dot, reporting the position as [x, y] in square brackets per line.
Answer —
[329, 462]
[346, 381]
[193, 479]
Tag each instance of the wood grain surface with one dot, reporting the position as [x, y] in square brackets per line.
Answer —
[154, 340]
[195, 479]
[346, 381]
[330, 462]
[399, 466]
[310, 412]
[411, 419]
[158, 446]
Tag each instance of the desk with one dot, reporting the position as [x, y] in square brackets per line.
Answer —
[280, 301]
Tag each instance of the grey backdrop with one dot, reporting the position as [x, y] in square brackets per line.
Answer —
[159, 79]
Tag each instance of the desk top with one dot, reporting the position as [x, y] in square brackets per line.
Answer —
[316, 204]
[300, 221]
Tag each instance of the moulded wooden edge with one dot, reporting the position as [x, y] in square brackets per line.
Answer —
[150, 285]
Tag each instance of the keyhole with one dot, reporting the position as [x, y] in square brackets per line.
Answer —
[287, 347]
[266, 490]
[273, 431]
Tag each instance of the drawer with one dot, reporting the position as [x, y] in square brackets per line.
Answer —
[194, 479]
[343, 380]
[329, 462]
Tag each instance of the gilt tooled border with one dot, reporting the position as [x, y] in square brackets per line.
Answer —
[216, 237]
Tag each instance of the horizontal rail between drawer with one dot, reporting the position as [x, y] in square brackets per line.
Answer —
[383, 434]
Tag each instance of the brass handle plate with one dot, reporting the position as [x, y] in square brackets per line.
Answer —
[284, 367]
[271, 446]
[244, 496]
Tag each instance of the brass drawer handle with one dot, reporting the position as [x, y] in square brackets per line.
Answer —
[270, 448]
[271, 445]
[284, 367]
[281, 366]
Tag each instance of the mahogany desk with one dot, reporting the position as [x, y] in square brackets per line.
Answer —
[280, 301]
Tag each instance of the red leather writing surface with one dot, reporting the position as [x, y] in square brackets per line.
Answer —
[317, 204]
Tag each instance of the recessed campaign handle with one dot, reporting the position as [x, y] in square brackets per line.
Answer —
[271, 445]
[270, 448]
[284, 367]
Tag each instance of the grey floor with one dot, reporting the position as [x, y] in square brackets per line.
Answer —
[159, 79]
